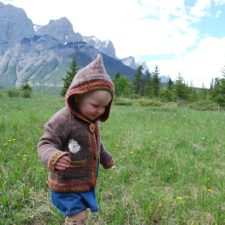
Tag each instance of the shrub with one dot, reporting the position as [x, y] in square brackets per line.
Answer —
[134, 96]
[122, 101]
[26, 90]
[204, 105]
[26, 94]
[13, 92]
[149, 102]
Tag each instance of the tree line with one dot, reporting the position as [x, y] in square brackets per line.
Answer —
[147, 84]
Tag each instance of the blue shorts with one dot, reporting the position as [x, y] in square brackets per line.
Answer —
[71, 203]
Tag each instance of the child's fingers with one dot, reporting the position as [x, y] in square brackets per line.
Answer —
[61, 166]
[64, 161]
[67, 158]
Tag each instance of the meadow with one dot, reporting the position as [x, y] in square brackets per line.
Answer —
[170, 165]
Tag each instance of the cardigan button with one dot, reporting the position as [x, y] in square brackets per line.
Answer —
[92, 127]
[97, 155]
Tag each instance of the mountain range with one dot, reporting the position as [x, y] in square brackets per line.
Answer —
[42, 55]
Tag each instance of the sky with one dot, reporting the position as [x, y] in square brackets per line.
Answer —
[181, 37]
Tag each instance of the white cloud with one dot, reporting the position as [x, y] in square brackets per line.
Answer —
[152, 37]
[198, 66]
[201, 8]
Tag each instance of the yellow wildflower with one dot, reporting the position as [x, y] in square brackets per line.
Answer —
[179, 198]
[209, 190]
[25, 157]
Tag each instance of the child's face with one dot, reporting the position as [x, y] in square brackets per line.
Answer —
[93, 105]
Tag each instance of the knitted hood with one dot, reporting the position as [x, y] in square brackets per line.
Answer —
[91, 78]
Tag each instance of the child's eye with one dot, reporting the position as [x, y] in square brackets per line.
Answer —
[95, 105]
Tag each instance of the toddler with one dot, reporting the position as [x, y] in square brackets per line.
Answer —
[71, 146]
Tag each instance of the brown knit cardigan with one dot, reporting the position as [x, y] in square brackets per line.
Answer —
[68, 129]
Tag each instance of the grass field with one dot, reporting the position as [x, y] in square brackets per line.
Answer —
[170, 165]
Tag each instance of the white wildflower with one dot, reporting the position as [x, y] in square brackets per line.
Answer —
[74, 147]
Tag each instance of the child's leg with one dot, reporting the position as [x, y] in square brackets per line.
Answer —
[77, 219]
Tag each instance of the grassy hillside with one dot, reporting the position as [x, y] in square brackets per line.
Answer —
[169, 170]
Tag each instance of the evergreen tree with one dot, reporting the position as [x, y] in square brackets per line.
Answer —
[122, 85]
[117, 76]
[181, 89]
[192, 94]
[138, 81]
[215, 89]
[170, 85]
[69, 77]
[169, 94]
[147, 83]
[211, 85]
[155, 82]
[222, 92]
[218, 92]
[203, 93]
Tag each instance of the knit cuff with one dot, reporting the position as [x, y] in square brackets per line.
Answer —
[54, 158]
[110, 164]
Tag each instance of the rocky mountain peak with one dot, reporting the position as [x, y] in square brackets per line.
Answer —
[61, 29]
[105, 46]
[14, 24]
[129, 61]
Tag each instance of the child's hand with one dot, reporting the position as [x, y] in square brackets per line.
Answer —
[63, 163]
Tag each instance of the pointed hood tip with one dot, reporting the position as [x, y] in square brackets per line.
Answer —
[94, 71]
[99, 55]
[99, 58]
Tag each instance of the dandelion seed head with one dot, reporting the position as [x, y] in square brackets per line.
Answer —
[73, 146]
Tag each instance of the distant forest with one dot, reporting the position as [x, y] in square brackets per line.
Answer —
[147, 85]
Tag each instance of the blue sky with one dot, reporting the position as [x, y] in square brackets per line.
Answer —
[213, 24]
[184, 37]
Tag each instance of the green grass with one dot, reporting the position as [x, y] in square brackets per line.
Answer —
[169, 165]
